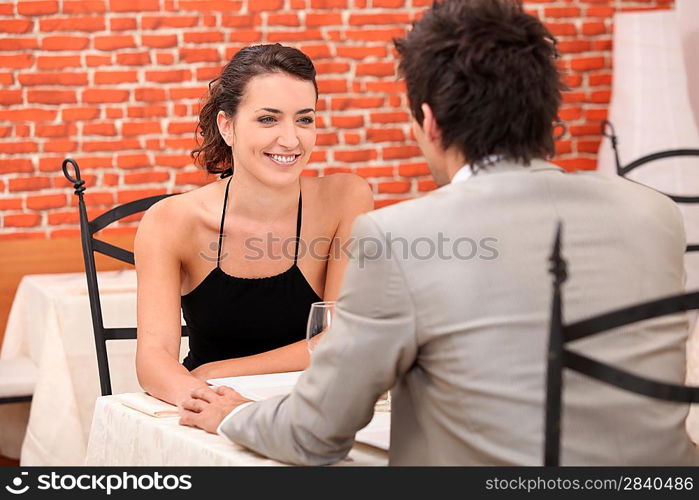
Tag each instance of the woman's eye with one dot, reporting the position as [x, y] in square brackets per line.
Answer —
[307, 120]
[266, 119]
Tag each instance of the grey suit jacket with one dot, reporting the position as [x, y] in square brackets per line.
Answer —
[459, 333]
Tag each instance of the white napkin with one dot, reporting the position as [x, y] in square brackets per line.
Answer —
[149, 405]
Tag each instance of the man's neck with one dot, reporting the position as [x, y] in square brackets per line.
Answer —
[453, 161]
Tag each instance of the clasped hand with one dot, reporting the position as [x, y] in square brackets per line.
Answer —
[207, 407]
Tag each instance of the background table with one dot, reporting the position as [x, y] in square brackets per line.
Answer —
[122, 436]
[50, 322]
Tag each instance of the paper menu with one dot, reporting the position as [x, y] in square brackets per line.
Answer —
[378, 432]
[259, 387]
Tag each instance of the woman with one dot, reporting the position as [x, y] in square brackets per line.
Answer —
[244, 257]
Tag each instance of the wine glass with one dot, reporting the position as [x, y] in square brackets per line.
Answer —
[320, 319]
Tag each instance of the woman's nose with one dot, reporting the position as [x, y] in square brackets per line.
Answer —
[288, 137]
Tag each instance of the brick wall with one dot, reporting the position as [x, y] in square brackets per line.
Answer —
[116, 84]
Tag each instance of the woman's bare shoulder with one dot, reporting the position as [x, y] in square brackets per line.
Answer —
[173, 218]
[344, 189]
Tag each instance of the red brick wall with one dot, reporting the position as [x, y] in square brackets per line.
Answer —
[116, 84]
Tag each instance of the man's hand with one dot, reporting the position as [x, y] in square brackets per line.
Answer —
[207, 407]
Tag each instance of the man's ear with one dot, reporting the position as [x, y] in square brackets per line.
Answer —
[429, 123]
[225, 127]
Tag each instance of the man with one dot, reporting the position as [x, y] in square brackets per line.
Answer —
[446, 301]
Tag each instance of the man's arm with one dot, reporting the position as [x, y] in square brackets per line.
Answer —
[371, 343]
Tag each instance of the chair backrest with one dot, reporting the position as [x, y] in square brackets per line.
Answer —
[608, 131]
[90, 245]
[559, 357]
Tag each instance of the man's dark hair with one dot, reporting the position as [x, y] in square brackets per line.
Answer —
[488, 71]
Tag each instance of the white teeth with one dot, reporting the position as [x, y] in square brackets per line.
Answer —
[283, 159]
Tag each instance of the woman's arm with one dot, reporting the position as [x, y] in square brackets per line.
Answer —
[159, 332]
[289, 358]
[356, 199]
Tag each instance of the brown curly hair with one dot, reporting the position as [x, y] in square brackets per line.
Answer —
[488, 71]
[226, 92]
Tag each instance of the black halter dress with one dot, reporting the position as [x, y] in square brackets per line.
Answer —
[230, 317]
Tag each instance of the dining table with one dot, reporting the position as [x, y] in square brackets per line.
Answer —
[122, 436]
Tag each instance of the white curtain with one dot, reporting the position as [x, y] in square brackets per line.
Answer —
[688, 17]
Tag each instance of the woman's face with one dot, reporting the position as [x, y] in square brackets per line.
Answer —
[273, 131]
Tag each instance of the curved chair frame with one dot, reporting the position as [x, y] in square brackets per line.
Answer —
[608, 132]
[90, 245]
[559, 357]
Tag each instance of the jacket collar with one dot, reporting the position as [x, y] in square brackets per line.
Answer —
[506, 165]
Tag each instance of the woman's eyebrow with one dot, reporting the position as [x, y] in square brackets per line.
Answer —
[279, 112]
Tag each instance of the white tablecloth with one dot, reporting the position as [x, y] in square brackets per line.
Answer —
[121, 436]
[50, 322]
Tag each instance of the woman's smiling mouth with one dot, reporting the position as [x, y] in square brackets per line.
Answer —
[285, 160]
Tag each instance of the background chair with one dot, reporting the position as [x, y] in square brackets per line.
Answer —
[559, 357]
[90, 245]
[608, 131]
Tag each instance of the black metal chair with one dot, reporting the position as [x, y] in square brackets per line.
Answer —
[608, 132]
[559, 357]
[90, 245]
